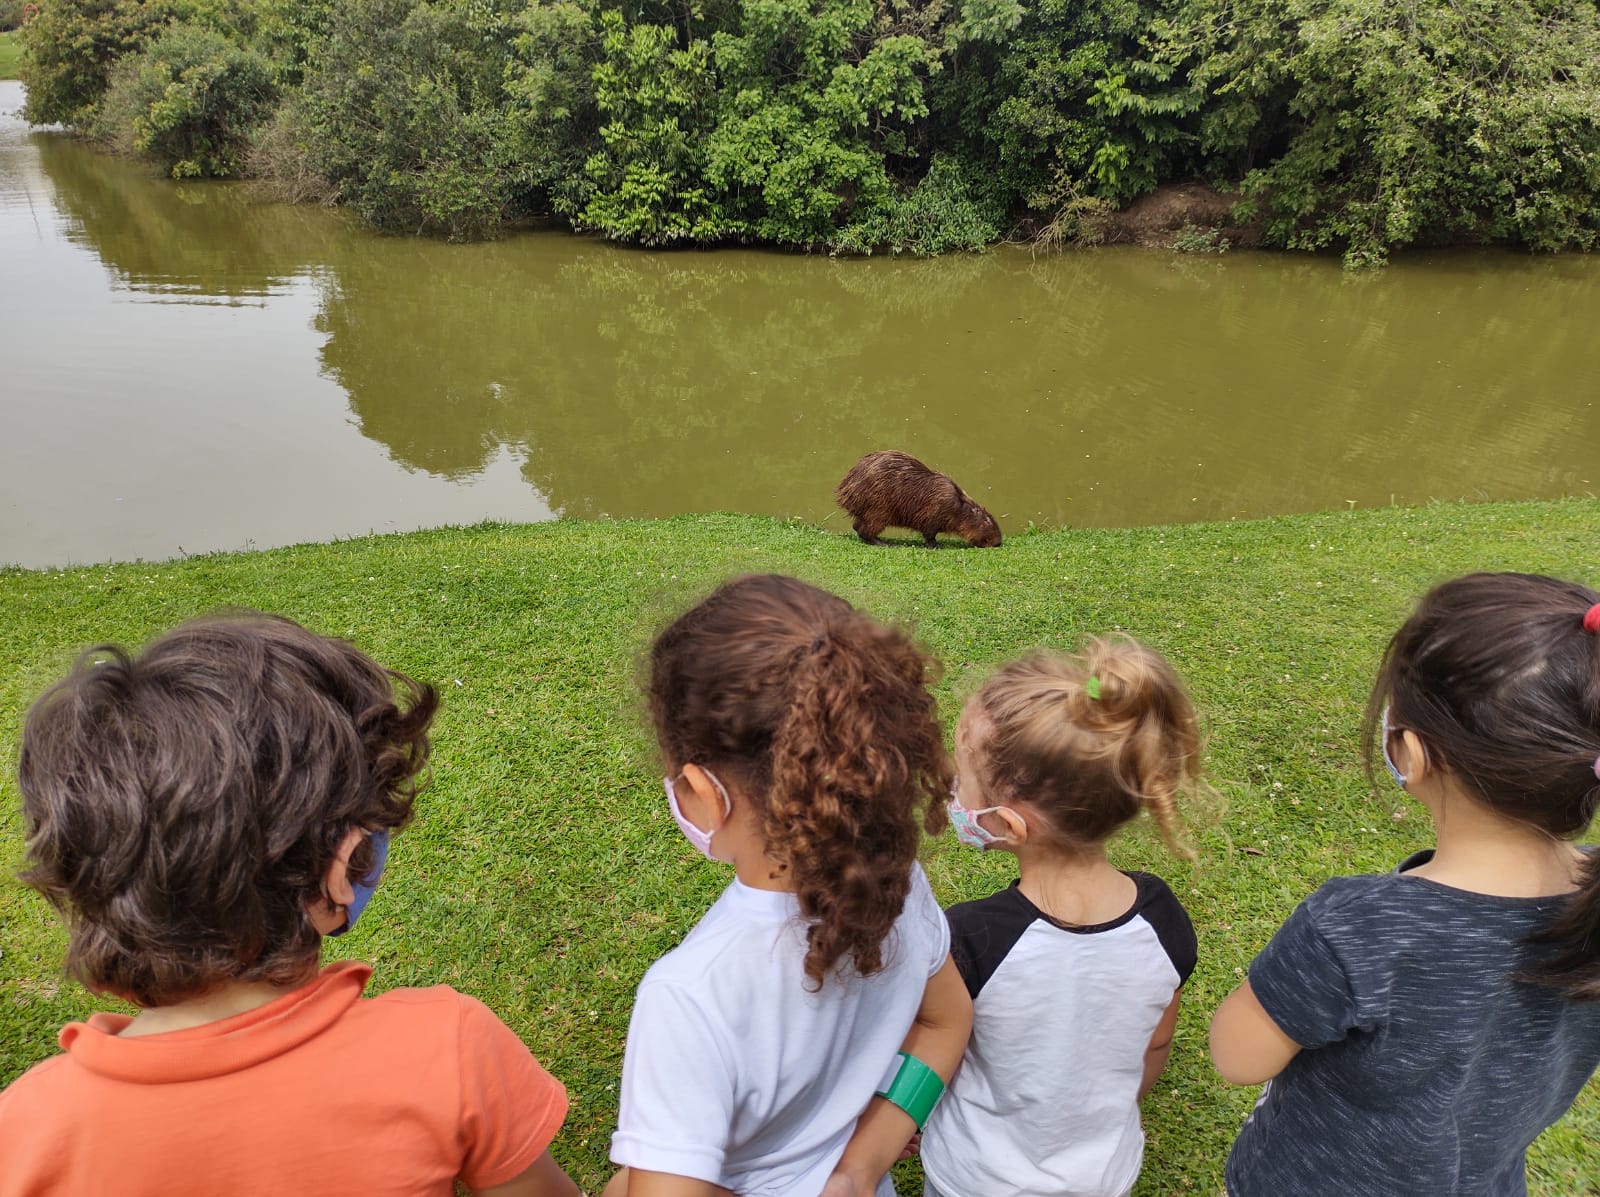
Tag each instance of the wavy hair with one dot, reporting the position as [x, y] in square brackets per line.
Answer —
[1498, 678]
[822, 718]
[183, 806]
[1091, 739]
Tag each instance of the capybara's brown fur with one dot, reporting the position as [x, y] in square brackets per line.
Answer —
[895, 489]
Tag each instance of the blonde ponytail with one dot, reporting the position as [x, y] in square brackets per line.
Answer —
[1090, 740]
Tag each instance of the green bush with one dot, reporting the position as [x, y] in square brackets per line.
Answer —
[814, 102]
[861, 125]
[402, 109]
[190, 100]
[1366, 126]
[72, 46]
[948, 210]
[782, 130]
[289, 31]
[10, 15]
[1040, 92]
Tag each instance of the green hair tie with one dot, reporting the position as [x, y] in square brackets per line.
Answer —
[1092, 688]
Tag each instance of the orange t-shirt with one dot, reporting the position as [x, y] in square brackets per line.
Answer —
[320, 1091]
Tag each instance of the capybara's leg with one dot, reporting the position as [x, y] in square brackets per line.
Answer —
[868, 531]
[931, 539]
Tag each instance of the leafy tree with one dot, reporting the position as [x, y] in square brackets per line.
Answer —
[648, 174]
[782, 130]
[1368, 126]
[73, 44]
[814, 99]
[1039, 93]
[555, 118]
[289, 32]
[402, 110]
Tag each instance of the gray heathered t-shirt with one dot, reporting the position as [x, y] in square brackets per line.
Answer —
[1425, 1070]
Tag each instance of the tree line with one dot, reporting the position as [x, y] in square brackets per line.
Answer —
[856, 126]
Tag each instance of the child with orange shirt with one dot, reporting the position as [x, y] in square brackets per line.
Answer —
[203, 814]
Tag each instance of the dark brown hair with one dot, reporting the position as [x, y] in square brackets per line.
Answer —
[1089, 740]
[1497, 678]
[181, 807]
[822, 718]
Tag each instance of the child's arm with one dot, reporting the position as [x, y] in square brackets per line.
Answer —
[1155, 1056]
[937, 1038]
[1246, 1045]
[636, 1182]
[544, 1178]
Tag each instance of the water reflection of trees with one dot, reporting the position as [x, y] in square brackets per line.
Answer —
[1109, 387]
[1104, 389]
[197, 239]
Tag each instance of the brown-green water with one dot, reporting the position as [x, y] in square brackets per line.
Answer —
[185, 369]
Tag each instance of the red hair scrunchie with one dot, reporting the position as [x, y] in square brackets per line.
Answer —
[1591, 620]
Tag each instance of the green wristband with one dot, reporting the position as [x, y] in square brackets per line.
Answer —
[916, 1089]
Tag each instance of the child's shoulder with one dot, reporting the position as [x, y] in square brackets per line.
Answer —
[1364, 897]
[428, 1019]
[34, 1092]
[1006, 906]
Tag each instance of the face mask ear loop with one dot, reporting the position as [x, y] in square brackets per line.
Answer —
[727, 802]
[1384, 732]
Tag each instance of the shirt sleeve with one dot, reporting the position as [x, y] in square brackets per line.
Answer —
[931, 919]
[511, 1108]
[1302, 984]
[677, 1088]
[1172, 926]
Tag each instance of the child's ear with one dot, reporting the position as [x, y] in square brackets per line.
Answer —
[327, 909]
[1016, 825]
[1413, 762]
[711, 797]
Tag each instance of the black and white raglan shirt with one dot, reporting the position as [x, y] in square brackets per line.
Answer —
[1046, 1100]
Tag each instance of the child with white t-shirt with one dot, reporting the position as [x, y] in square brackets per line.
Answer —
[1074, 969]
[799, 1035]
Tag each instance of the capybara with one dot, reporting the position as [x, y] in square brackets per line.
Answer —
[890, 488]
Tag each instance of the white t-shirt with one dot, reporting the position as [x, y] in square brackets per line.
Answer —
[1045, 1102]
[736, 1073]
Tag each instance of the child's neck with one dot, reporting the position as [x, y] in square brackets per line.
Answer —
[227, 1000]
[1483, 852]
[1080, 886]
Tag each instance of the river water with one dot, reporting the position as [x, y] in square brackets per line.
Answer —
[185, 369]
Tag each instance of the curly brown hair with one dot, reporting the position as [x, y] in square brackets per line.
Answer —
[822, 719]
[183, 806]
[1091, 739]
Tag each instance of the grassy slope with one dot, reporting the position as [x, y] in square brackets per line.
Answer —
[10, 54]
[544, 874]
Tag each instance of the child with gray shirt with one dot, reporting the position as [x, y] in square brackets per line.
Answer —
[1420, 1028]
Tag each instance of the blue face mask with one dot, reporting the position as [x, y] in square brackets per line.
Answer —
[1384, 733]
[365, 886]
[966, 826]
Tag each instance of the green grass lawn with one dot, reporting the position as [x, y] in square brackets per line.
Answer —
[544, 873]
[10, 54]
